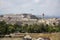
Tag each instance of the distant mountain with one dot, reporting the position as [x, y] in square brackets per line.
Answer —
[46, 16]
[33, 16]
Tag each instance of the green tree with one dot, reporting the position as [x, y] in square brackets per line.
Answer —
[17, 28]
[2, 27]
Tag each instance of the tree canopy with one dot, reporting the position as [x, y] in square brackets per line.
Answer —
[35, 28]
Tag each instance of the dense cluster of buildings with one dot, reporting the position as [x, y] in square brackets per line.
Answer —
[28, 19]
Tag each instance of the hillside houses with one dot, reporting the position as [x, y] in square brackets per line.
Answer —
[27, 19]
[51, 21]
[19, 18]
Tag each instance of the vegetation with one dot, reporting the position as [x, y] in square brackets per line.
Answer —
[42, 28]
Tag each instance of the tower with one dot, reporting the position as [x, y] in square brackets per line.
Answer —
[43, 15]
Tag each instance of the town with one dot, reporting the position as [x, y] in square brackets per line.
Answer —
[28, 19]
[28, 27]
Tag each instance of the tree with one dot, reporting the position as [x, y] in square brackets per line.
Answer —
[2, 27]
[10, 28]
[17, 28]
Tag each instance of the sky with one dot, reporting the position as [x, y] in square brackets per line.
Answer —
[36, 7]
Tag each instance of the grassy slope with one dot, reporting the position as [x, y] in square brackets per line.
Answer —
[52, 36]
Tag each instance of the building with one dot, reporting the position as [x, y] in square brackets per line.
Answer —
[51, 21]
[19, 18]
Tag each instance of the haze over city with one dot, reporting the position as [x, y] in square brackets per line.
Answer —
[36, 7]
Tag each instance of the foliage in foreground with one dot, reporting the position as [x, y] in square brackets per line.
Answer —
[9, 28]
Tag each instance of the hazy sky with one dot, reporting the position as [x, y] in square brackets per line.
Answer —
[37, 7]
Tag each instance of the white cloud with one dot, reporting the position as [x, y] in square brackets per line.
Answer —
[49, 7]
[37, 1]
[5, 4]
